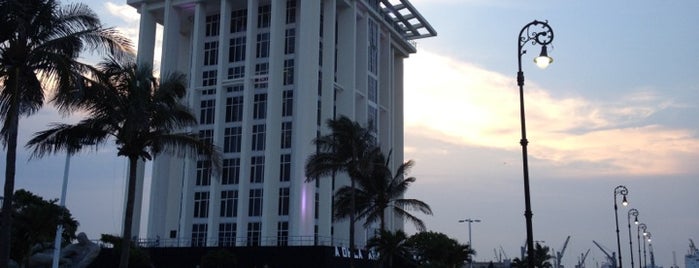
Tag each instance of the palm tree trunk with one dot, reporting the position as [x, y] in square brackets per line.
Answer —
[10, 167]
[128, 214]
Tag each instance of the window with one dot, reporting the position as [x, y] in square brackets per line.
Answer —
[229, 203]
[290, 41]
[261, 72]
[286, 135]
[231, 171]
[212, 25]
[373, 33]
[264, 14]
[285, 167]
[203, 173]
[199, 235]
[258, 137]
[236, 72]
[287, 102]
[206, 136]
[254, 233]
[257, 169]
[262, 49]
[236, 52]
[259, 109]
[288, 76]
[284, 201]
[290, 11]
[211, 53]
[226, 234]
[255, 204]
[234, 109]
[232, 139]
[239, 20]
[373, 119]
[207, 111]
[201, 204]
[208, 78]
[283, 233]
[372, 89]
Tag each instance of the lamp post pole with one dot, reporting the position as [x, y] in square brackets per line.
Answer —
[470, 245]
[632, 212]
[647, 239]
[650, 249]
[638, 238]
[621, 189]
[539, 34]
[59, 229]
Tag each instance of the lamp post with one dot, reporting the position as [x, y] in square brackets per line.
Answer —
[470, 264]
[632, 212]
[638, 238]
[59, 230]
[647, 239]
[539, 34]
[650, 249]
[621, 189]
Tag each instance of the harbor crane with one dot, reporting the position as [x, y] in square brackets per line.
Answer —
[581, 259]
[611, 258]
[559, 254]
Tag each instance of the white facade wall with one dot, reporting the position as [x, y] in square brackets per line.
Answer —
[331, 75]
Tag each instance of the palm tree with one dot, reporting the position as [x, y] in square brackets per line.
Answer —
[378, 190]
[127, 104]
[541, 258]
[40, 42]
[390, 245]
[344, 149]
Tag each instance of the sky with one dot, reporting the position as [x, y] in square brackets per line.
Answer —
[618, 106]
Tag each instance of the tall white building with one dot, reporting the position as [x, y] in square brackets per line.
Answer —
[264, 76]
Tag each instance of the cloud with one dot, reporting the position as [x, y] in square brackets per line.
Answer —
[465, 104]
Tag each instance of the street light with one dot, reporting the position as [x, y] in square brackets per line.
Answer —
[470, 264]
[632, 212]
[540, 34]
[638, 238]
[621, 189]
[646, 239]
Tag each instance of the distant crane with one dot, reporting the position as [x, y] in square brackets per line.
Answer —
[559, 254]
[611, 258]
[500, 254]
[581, 260]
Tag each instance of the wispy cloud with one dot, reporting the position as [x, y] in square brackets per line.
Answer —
[466, 104]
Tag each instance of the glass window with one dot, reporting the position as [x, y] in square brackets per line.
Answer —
[231, 171]
[285, 167]
[288, 75]
[258, 137]
[283, 233]
[236, 52]
[203, 173]
[287, 102]
[255, 204]
[239, 19]
[208, 78]
[212, 25]
[264, 15]
[257, 169]
[290, 11]
[201, 204]
[290, 41]
[207, 111]
[286, 135]
[236, 72]
[254, 233]
[211, 53]
[234, 109]
[232, 139]
[226, 234]
[372, 89]
[229, 203]
[259, 110]
[262, 48]
[284, 201]
[199, 235]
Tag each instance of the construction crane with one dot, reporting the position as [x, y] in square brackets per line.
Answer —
[559, 254]
[611, 258]
[581, 260]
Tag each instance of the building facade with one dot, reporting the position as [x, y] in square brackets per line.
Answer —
[264, 76]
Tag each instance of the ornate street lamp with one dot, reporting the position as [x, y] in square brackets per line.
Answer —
[621, 189]
[536, 33]
[646, 239]
[470, 264]
[632, 212]
[638, 238]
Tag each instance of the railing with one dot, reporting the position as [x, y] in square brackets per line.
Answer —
[269, 241]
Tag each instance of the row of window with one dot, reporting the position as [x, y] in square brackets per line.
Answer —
[227, 234]
[234, 108]
[229, 203]
[239, 19]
